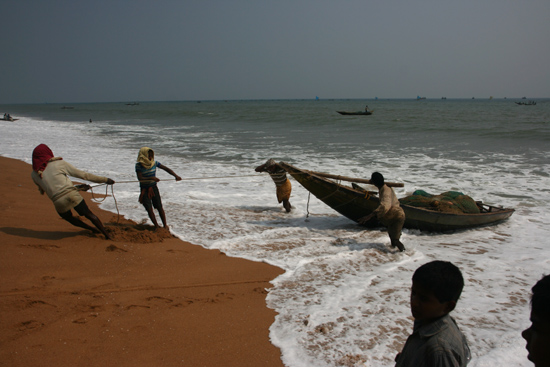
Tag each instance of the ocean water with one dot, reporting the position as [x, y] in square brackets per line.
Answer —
[344, 297]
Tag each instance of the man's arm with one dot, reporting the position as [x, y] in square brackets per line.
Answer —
[145, 179]
[75, 172]
[178, 178]
[34, 179]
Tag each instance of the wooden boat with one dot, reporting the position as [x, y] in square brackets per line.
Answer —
[8, 119]
[355, 113]
[355, 202]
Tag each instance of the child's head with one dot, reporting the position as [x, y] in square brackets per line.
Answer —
[538, 334]
[436, 287]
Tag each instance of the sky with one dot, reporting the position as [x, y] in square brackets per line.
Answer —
[111, 50]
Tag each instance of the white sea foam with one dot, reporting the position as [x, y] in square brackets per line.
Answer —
[343, 299]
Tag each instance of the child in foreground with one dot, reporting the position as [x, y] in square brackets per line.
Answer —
[538, 334]
[146, 170]
[436, 339]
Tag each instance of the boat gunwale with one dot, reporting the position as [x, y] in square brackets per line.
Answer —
[414, 214]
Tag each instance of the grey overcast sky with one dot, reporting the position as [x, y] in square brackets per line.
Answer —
[112, 50]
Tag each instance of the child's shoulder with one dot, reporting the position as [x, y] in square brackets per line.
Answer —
[449, 331]
[442, 325]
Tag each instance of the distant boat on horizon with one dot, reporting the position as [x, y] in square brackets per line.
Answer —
[418, 97]
[365, 113]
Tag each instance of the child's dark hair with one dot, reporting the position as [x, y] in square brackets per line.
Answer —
[443, 278]
[540, 301]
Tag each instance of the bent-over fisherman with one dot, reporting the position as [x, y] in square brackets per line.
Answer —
[282, 183]
[51, 175]
[389, 212]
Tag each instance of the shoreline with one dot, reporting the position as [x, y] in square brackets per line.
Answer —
[70, 297]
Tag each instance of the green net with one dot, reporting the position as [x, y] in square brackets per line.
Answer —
[448, 202]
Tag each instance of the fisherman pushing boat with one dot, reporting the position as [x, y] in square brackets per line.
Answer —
[389, 212]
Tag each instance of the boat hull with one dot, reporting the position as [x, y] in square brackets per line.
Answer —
[364, 113]
[356, 203]
[432, 221]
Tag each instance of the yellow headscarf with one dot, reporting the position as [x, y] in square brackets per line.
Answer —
[143, 157]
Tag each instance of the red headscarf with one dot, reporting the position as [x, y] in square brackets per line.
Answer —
[41, 155]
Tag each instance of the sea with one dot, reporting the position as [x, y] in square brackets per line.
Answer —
[343, 299]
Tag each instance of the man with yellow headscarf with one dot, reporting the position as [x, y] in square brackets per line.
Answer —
[146, 170]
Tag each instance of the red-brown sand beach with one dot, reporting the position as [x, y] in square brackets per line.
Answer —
[68, 297]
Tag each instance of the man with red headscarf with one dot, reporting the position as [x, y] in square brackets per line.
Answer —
[51, 175]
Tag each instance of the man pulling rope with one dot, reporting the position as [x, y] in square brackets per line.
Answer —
[282, 183]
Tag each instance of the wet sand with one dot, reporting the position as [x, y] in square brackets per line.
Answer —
[68, 297]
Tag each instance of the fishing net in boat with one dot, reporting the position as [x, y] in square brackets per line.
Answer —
[448, 202]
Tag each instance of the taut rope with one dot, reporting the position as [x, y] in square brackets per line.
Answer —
[97, 200]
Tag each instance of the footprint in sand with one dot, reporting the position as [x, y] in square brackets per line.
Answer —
[260, 290]
[184, 303]
[83, 320]
[89, 308]
[162, 299]
[31, 324]
[34, 303]
[220, 297]
[113, 248]
[136, 306]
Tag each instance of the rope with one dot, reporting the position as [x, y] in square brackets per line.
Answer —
[186, 179]
[338, 185]
[105, 197]
[136, 181]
